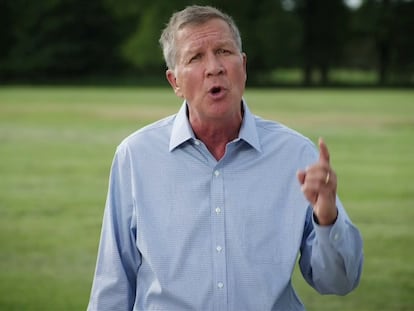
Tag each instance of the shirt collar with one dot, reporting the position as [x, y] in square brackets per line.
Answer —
[248, 129]
[182, 131]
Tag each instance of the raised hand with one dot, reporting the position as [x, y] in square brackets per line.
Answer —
[319, 184]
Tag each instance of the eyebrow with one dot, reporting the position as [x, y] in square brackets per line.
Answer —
[217, 44]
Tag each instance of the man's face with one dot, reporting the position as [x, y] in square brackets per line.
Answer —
[210, 71]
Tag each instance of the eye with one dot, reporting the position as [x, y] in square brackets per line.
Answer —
[195, 58]
[223, 52]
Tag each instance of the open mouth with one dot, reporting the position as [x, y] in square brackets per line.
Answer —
[215, 90]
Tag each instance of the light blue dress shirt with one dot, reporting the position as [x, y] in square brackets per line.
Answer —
[183, 231]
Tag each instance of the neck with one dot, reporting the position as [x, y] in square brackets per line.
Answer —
[216, 136]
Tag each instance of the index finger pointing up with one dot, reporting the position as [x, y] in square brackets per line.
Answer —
[323, 151]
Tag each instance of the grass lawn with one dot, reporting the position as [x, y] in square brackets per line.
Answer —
[56, 148]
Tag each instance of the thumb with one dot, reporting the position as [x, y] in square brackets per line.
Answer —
[323, 151]
[301, 176]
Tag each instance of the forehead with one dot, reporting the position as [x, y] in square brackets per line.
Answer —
[192, 36]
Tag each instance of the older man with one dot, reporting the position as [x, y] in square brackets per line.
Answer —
[208, 209]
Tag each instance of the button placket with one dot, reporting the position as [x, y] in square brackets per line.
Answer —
[218, 230]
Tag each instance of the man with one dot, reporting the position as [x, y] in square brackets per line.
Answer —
[209, 208]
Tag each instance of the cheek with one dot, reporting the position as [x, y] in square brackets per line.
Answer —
[243, 74]
[189, 83]
[240, 77]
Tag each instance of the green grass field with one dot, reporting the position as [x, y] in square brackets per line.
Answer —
[56, 148]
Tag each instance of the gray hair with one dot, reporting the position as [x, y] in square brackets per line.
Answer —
[192, 15]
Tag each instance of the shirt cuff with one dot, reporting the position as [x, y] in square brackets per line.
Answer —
[332, 234]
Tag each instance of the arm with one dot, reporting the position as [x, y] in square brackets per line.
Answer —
[331, 251]
[118, 260]
[331, 256]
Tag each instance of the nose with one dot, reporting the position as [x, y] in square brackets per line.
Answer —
[214, 66]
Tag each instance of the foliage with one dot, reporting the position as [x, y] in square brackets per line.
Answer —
[380, 39]
[62, 38]
[324, 23]
[71, 39]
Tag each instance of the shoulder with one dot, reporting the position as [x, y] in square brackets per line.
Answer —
[151, 134]
[275, 130]
[280, 140]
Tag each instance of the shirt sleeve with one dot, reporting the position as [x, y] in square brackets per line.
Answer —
[114, 283]
[331, 256]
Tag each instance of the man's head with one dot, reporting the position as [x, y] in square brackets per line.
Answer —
[206, 66]
[192, 15]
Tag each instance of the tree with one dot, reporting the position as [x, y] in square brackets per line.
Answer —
[63, 38]
[51, 39]
[388, 25]
[403, 52]
[324, 24]
[7, 36]
[271, 35]
[141, 48]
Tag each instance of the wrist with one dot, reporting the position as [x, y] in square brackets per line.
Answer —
[326, 220]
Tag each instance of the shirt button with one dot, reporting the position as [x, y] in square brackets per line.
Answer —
[220, 285]
[218, 210]
[197, 142]
[336, 237]
[216, 173]
[219, 248]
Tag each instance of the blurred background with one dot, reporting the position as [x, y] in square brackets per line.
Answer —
[76, 77]
[288, 42]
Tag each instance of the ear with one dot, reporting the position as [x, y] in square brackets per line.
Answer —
[245, 64]
[172, 79]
